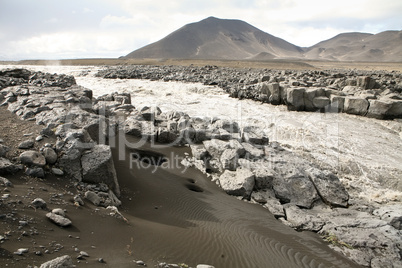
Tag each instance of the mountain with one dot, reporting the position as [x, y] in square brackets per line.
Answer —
[214, 38]
[382, 47]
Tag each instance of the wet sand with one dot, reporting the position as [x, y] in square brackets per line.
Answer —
[181, 216]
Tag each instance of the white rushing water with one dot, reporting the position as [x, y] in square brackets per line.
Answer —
[365, 152]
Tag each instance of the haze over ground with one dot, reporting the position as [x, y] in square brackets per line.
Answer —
[46, 29]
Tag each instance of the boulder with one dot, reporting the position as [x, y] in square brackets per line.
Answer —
[39, 203]
[229, 159]
[295, 99]
[98, 167]
[396, 109]
[3, 150]
[275, 93]
[133, 127]
[35, 172]
[50, 155]
[309, 96]
[292, 185]
[216, 147]
[6, 167]
[60, 262]
[264, 176]
[337, 103]
[275, 207]
[321, 102]
[93, 197]
[57, 172]
[301, 220]
[58, 219]
[365, 82]
[252, 152]
[239, 183]
[5, 182]
[28, 144]
[150, 113]
[165, 135]
[329, 187]
[70, 161]
[357, 106]
[33, 158]
[228, 125]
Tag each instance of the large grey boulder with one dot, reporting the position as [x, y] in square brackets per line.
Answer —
[98, 167]
[385, 109]
[321, 102]
[275, 93]
[295, 99]
[216, 147]
[366, 82]
[229, 159]
[33, 158]
[329, 187]
[70, 160]
[239, 183]
[355, 105]
[60, 262]
[301, 220]
[50, 155]
[293, 186]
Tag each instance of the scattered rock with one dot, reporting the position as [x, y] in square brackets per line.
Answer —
[205, 266]
[39, 203]
[60, 262]
[28, 144]
[59, 211]
[93, 198]
[35, 172]
[5, 182]
[57, 172]
[21, 251]
[58, 219]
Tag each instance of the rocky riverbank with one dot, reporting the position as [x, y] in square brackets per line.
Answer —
[364, 93]
[241, 160]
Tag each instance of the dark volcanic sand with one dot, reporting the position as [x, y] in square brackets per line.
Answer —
[172, 217]
[181, 216]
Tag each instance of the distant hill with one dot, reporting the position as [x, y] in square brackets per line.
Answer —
[214, 38]
[384, 46]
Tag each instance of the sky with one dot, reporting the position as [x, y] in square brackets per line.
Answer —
[69, 29]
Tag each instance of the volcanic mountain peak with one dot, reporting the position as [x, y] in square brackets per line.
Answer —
[214, 38]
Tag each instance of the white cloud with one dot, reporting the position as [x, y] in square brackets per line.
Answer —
[115, 28]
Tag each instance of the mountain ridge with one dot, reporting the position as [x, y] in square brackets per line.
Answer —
[231, 39]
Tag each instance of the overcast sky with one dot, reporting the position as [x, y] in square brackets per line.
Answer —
[59, 29]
